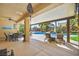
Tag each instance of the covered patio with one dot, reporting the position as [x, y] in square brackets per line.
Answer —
[23, 28]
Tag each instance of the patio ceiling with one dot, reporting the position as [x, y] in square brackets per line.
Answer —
[17, 11]
[40, 8]
[12, 10]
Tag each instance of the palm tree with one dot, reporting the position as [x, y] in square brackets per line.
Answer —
[73, 23]
[44, 26]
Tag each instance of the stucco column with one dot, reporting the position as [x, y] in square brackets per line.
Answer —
[26, 30]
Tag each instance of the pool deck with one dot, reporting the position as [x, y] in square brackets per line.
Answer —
[41, 37]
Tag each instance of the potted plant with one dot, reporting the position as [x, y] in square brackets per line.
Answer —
[59, 35]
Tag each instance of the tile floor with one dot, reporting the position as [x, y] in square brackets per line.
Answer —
[38, 48]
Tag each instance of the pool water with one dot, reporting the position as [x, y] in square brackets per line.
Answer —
[54, 34]
[38, 32]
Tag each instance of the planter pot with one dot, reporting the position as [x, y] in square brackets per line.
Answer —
[47, 35]
[60, 38]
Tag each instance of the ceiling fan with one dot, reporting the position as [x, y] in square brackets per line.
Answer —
[6, 18]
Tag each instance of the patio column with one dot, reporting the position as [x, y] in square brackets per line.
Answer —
[26, 30]
[78, 27]
[68, 30]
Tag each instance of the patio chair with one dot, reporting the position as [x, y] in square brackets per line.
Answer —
[49, 38]
[15, 36]
[5, 52]
[6, 36]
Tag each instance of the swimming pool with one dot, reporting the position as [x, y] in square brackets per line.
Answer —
[53, 34]
[38, 32]
[41, 36]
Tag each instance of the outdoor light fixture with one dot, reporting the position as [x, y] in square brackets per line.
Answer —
[30, 9]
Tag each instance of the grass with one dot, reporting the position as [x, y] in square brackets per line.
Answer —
[75, 38]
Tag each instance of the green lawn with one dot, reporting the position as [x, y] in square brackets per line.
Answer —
[75, 38]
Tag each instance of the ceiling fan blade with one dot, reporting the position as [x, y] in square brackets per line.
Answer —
[7, 18]
[11, 19]
[4, 17]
